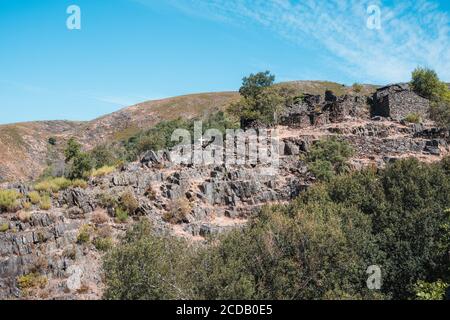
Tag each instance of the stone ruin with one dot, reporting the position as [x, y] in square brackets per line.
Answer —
[398, 101]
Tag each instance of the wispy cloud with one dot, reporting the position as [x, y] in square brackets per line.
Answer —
[412, 33]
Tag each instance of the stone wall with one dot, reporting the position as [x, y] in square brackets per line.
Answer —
[398, 101]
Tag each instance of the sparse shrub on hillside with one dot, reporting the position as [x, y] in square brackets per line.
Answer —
[103, 171]
[34, 197]
[177, 211]
[121, 215]
[9, 200]
[84, 234]
[26, 205]
[31, 281]
[150, 193]
[100, 217]
[24, 216]
[46, 202]
[79, 183]
[413, 118]
[357, 87]
[103, 244]
[4, 227]
[52, 141]
[128, 202]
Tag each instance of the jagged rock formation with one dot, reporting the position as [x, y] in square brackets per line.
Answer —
[215, 197]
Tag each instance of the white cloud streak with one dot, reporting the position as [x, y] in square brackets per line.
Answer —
[412, 33]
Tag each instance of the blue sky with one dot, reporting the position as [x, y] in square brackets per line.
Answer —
[129, 51]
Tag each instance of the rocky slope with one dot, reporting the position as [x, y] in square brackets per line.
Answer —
[29, 141]
[212, 198]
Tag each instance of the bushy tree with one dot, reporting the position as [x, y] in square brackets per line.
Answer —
[80, 163]
[72, 150]
[328, 157]
[147, 267]
[254, 84]
[102, 156]
[261, 101]
[426, 83]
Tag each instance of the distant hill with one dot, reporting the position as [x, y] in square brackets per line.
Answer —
[25, 150]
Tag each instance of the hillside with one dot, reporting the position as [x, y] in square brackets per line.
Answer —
[24, 148]
[53, 247]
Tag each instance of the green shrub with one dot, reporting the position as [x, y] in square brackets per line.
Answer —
[46, 202]
[357, 87]
[9, 200]
[26, 205]
[147, 267]
[121, 216]
[79, 183]
[328, 157]
[426, 83]
[317, 247]
[413, 118]
[128, 202]
[31, 281]
[103, 244]
[34, 197]
[103, 156]
[431, 291]
[103, 171]
[84, 234]
[4, 227]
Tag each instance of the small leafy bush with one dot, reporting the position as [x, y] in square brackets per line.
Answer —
[35, 197]
[128, 202]
[4, 227]
[103, 244]
[79, 183]
[357, 87]
[121, 216]
[31, 281]
[177, 211]
[9, 200]
[413, 118]
[46, 202]
[431, 291]
[103, 171]
[84, 235]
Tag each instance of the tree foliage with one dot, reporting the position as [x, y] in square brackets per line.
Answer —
[317, 247]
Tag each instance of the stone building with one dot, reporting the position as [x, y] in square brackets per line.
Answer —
[398, 101]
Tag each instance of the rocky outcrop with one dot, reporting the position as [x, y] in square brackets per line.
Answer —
[319, 110]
